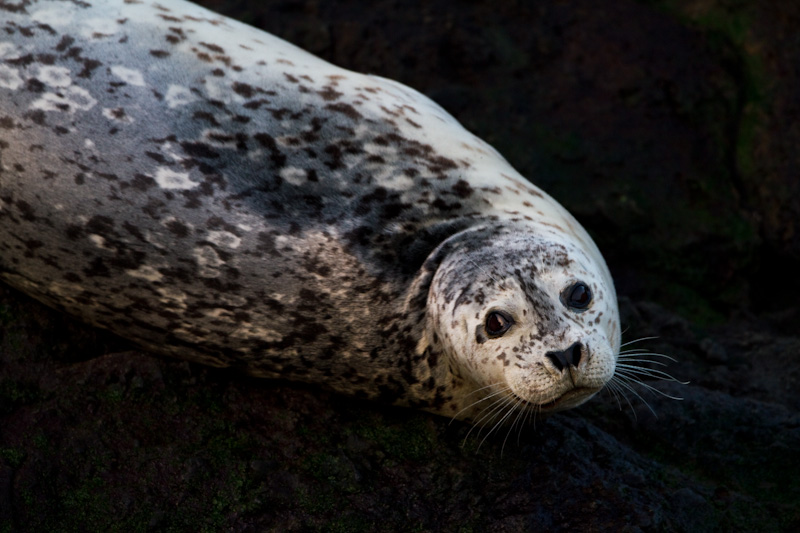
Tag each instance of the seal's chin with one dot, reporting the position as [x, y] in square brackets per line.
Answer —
[568, 400]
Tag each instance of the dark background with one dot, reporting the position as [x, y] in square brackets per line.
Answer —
[668, 127]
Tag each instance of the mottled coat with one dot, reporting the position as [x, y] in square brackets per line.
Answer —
[217, 194]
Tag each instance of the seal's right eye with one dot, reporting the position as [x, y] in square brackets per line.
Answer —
[497, 323]
[577, 296]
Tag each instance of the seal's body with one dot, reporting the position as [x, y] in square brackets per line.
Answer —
[217, 194]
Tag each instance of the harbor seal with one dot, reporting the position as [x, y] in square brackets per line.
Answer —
[214, 193]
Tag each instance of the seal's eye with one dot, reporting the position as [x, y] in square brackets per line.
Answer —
[497, 323]
[577, 296]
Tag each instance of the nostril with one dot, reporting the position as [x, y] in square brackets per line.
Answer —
[557, 359]
[574, 354]
[569, 357]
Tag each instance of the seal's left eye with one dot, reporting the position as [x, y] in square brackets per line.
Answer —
[577, 296]
[497, 323]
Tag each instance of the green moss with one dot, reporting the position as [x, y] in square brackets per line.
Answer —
[749, 128]
[411, 440]
[348, 523]
[509, 54]
[13, 456]
[41, 441]
[87, 506]
[14, 343]
[565, 146]
[112, 394]
[7, 317]
[14, 394]
[320, 502]
[223, 443]
[732, 24]
[314, 436]
[729, 22]
[334, 470]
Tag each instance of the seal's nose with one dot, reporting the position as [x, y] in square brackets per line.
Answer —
[569, 357]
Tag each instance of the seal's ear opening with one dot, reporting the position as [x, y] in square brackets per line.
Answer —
[417, 248]
[420, 256]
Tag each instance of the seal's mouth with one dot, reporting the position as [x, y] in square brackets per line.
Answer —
[571, 398]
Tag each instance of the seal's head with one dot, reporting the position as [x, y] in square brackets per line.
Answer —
[525, 316]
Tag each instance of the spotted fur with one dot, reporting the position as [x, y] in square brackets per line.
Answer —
[217, 194]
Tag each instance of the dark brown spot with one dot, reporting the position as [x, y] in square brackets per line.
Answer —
[177, 228]
[198, 149]
[462, 189]
[26, 210]
[97, 268]
[345, 109]
[142, 182]
[205, 115]
[65, 42]
[213, 48]
[243, 89]
[329, 94]
[156, 157]
[118, 113]
[89, 65]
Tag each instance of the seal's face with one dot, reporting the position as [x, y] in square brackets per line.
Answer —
[526, 319]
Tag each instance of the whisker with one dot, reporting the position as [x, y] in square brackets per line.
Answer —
[489, 414]
[634, 364]
[630, 380]
[517, 405]
[499, 423]
[649, 361]
[636, 340]
[496, 406]
[617, 391]
[628, 387]
[636, 352]
[650, 372]
[531, 410]
[525, 412]
[481, 388]
[479, 400]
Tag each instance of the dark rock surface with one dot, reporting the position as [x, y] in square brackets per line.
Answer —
[669, 127]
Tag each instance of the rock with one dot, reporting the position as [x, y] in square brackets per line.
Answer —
[668, 128]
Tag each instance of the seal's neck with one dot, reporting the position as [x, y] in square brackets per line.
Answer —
[436, 384]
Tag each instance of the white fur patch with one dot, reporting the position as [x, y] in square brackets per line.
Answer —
[208, 261]
[293, 175]
[146, 273]
[128, 75]
[54, 76]
[224, 239]
[117, 115]
[69, 100]
[178, 95]
[10, 78]
[169, 179]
